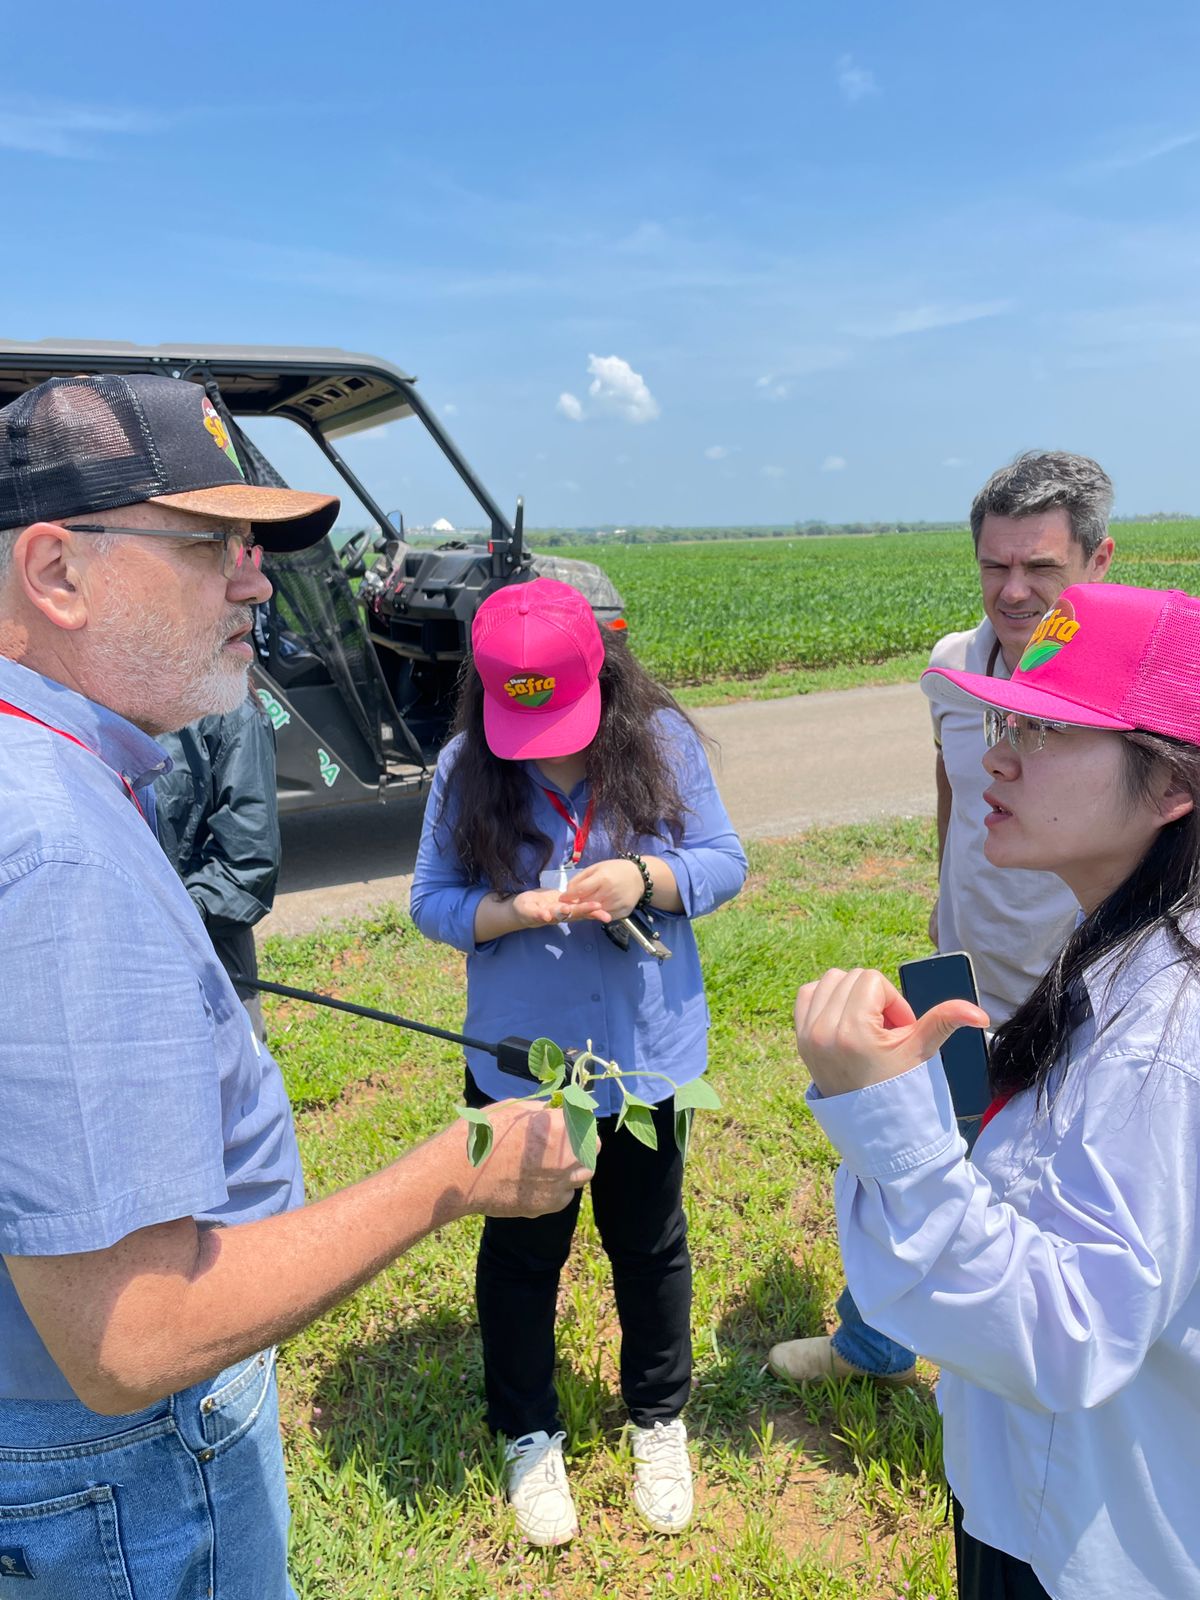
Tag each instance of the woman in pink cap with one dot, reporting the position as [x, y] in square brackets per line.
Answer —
[575, 792]
[1054, 1277]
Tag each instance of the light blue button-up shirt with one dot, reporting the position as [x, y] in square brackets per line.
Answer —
[133, 1090]
[1056, 1280]
[569, 982]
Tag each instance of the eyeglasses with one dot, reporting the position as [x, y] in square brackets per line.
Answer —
[1026, 735]
[237, 549]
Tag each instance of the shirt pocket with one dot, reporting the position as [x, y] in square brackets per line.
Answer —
[53, 1542]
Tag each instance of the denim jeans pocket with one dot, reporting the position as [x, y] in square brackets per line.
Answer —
[228, 1411]
[53, 1544]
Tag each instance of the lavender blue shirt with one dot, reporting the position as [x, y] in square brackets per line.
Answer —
[1055, 1278]
[570, 983]
[132, 1088]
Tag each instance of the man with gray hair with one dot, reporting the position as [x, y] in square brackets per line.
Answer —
[1038, 524]
[155, 1241]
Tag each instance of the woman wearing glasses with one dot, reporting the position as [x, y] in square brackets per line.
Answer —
[1055, 1277]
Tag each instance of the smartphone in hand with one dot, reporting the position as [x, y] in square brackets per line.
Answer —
[924, 984]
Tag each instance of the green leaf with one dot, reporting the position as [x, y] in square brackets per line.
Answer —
[640, 1121]
[581, 1129]
[632, 1099]
[546, 1061]
[628, 1101]
[698, 1095]
[683, 1131]
[479, 1134]
[573, 1095]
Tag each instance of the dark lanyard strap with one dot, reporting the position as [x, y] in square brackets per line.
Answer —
[15, 711]
[580, 830]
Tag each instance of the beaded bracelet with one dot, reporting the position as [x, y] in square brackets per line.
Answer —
[647, 880]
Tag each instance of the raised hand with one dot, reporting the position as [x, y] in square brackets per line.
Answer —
[855, 1028]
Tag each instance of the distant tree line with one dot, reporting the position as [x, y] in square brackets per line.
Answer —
[665, 533]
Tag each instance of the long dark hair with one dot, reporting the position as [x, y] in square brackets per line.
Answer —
[486, 802]
[1161, 892]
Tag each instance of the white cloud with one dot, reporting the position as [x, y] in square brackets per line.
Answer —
[616, 387]
[834, 464]
[646, 238]
[773, 388]
[716, 452]
[449, 409]
[568, 406]
[571, 485]
[953, 461]
[1137, 155]
[856, 83]
[924, 319]
[774, 472]
[45, 128]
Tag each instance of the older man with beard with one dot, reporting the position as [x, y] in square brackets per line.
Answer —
[154, 1238]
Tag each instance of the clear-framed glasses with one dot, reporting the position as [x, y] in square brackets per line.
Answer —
[236, 552]
[1026, 735]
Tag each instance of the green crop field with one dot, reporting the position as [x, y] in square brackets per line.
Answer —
[744, 608]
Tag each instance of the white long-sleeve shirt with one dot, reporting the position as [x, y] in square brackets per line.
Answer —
[1055, 1278]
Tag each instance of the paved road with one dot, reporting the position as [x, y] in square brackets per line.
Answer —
[783, 766]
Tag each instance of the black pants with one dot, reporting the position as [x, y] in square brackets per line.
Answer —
[637, 1201]
[987, 1574]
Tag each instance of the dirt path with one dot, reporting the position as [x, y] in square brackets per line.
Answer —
[783, 766]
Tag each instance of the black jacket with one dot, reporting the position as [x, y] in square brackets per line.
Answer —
[219, 826]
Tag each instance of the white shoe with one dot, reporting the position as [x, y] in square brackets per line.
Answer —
[538, 1490]
[662, 1476]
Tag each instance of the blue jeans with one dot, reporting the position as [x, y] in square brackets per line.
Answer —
[182, 1501]
[865, 1347]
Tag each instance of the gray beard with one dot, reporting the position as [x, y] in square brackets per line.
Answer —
[141, 668]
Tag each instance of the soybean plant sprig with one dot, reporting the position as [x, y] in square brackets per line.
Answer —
[568, 1084]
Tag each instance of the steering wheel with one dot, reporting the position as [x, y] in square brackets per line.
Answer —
[353, 553]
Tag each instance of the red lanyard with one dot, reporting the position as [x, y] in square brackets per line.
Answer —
[998, 1104]
[580, 830]
[15, 711]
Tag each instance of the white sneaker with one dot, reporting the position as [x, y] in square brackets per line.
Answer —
[662, 1476]
[538, 1490]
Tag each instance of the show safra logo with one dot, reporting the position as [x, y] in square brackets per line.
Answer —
[1057, 628]
[529, 689]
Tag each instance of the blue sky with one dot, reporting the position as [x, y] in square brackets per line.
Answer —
[655, 262]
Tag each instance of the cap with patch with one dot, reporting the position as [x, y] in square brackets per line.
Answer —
[1106, 655]
[77, 445]
[538, 652]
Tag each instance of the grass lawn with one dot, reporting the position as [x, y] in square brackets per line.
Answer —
[818, 1495]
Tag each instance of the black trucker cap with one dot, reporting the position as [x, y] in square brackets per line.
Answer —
[75, 445]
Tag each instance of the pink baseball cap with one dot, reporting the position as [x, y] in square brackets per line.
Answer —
[1105, 656]
[538, 650]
